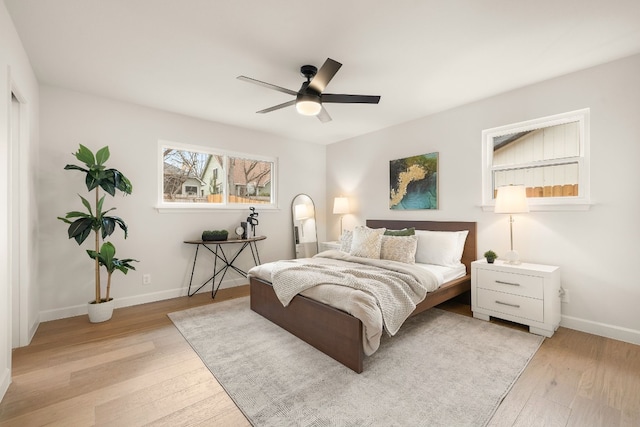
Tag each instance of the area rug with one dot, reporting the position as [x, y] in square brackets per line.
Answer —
[441, 369]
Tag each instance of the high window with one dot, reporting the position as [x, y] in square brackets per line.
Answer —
[202, 177]
[549, 156]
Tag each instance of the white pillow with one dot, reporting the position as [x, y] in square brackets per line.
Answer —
[440, 247]
[345, 241]
[366, 242]
[399, 248]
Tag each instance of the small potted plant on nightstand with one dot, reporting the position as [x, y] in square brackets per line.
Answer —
[490, 256]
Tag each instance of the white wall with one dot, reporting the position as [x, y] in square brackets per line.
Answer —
[156, 239]
[16, 75]
[596, 250]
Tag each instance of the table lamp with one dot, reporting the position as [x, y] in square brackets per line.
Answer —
[511, 199]
[341, 207]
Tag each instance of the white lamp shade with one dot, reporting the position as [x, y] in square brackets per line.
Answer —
[511, 199]
[341, 205]
[301, 212]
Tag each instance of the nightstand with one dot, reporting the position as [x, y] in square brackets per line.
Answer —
[524, 293]
[325, 246]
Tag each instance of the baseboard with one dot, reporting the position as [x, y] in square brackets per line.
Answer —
[33, 328]
[5, 381]
[601, 329]
[79, 310]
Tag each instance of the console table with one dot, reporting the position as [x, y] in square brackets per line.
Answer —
[227, 262]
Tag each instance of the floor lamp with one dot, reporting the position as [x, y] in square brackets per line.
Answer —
[512, 199]
[341, 207]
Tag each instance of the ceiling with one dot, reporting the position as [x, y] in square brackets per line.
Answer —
[422, 57]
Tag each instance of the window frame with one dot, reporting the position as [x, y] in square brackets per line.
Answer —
[581, 201]
[163, 206]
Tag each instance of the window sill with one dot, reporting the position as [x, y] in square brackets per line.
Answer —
[190, 208]
[576, 206]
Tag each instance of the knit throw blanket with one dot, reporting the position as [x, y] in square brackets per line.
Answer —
[396, 287]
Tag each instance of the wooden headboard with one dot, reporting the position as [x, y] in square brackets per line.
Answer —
[470, 252]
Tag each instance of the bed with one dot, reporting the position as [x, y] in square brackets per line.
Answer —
[337, 333]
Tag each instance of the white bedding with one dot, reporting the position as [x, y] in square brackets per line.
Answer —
[360, 304]
[446, 274]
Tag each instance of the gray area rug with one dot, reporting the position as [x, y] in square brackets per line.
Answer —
[441, 369]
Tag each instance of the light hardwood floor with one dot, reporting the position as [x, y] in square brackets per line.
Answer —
[137, 369]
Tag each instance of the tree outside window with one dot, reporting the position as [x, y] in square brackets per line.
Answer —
[199, 176]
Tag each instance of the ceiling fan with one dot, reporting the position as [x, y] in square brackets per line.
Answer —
[310, 97]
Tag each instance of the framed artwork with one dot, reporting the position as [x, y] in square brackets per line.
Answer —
[414, 182]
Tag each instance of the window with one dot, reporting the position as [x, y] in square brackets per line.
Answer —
[549, 156]
[202, 177]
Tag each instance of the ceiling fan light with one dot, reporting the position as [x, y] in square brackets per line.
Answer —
[308, 108]
[308, 105]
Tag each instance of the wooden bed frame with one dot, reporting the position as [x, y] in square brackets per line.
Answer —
[337, 333]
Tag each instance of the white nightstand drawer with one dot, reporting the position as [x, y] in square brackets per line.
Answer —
[518, 284]
[514, 305]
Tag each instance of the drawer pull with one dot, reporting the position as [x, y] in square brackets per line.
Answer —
[507, 283]
[506, 303]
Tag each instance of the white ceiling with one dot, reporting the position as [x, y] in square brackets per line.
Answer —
[422, 57]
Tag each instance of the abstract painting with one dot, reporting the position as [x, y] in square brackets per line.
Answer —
[414, 182]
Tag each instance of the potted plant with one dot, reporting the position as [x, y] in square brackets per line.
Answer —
[81, 224]
[490, 256]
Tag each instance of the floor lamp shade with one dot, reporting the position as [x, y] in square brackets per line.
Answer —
[512, 199]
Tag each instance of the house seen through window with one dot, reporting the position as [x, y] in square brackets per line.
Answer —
[548, 156]
[211, 177]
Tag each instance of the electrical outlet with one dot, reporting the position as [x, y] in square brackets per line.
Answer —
[564, 295]
[146, 279]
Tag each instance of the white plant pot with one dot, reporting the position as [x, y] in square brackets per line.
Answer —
[100, 312]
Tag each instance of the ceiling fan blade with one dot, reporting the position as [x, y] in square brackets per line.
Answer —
[323, 116]
[350, 99]
[324, 75]
[267, 85]
[277, 107]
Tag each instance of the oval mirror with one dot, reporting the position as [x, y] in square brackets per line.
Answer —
[304, 226]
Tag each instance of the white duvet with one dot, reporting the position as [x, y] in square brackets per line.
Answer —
[381, 293]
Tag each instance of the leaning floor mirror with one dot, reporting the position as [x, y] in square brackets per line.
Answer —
[304, 226]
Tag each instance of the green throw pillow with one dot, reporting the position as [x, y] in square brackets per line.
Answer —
[404, 232]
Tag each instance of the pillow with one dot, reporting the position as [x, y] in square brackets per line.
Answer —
[399, 248]
[366, 242]
[440, 247]
[404, 232]
[345, 241]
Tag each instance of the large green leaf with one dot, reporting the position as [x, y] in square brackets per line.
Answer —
[102, 155]
[124, 264]
[107, 252]
[108, 186]
[80, 229]
[85, 156]
[122, 225]
[121, 182]
[74, 167]
[86, 204]
[91, 180]
[76, 214]
[109, 226]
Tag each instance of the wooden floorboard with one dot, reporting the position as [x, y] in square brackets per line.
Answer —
[138, 370]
